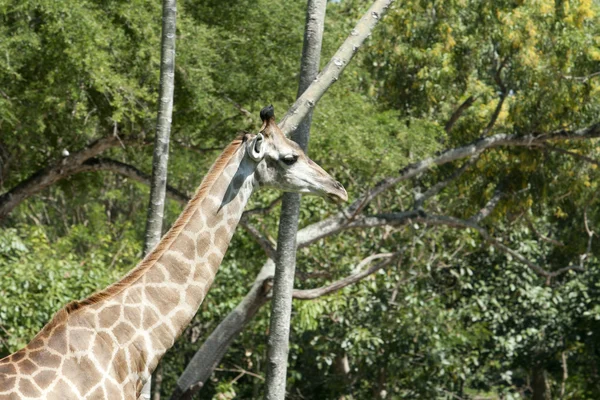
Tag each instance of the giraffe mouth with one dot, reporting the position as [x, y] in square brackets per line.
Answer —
[337, 194]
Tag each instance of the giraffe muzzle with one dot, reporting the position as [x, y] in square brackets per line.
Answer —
[337, 194]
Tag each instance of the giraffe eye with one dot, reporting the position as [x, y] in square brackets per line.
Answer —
[290, 159]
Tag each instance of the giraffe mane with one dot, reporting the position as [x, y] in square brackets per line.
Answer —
[136, 273]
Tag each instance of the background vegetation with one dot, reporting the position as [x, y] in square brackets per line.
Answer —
[456, 315]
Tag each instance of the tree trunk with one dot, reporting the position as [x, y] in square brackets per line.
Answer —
[160, 160]
[238, 318]
[281, 306]
[539, 384]
[204, 362]
[163, 128]
[331, 73]
[157, 382]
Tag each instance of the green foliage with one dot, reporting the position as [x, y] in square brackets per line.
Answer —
[452, 316]
[37, 278]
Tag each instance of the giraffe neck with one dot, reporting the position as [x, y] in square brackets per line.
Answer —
[109, 343]
[172, 289]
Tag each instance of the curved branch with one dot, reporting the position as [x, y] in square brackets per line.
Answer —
[261, 239]
[498, 140]
[206, 359]
[571, 154]
[582, 79]
[347, 217]
[118, 167]
[310, 294]
[459, 112]
[397, 219]
[264, 210]
[92, 165]
[438, 187]
[53, 173]
[196, 149]
[403, 218]
[209, 355]
[334, 67]
[488, 208]
[495, 115]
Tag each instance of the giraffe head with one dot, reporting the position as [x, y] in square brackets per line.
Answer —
[282, 164]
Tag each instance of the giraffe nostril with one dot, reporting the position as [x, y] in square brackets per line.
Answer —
[338, 185]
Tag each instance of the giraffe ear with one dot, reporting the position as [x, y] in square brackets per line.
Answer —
[256, 148]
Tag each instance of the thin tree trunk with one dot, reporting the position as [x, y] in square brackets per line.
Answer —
[243, 313]
[157, 382]
[539, 384]
[204, 362]
[334, 67]
[158, 186]
[281, 306]
[163, 128]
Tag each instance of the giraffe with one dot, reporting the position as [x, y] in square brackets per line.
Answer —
[108, 345]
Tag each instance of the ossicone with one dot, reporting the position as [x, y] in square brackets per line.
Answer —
[269, 126]
[267, 113]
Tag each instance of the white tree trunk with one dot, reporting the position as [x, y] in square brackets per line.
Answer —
[334, 68]
[160, 160]
[206, 359]
[193, 378]
[285, 266]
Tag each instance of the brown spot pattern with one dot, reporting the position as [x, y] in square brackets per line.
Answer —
[44, 378]
[27, 388]
[109, 316]
[126, 313]
[26, 367]
[163, 298]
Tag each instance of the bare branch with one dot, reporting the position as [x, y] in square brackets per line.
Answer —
[92, 150]
[310, 294]
[330, 74]
[498, 140]
[589, 232]
[458, 113]
[262, 240]
[241, 371]
[582, 79]
[400, 219]
[263, 210]
[118, 167]
[238, 107]
[539, 234]
[197, 149]
[565, 375]
[495, 115]
[347, 218]
[488, 208]
[206, 359]
[438, 187]
[571, 154]
[53, 173]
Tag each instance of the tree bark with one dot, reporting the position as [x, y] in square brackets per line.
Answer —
[539, 384]
[206, 359]
[160, 160]
[330, 74]
[285, 266]
[163, 127]
[52, 173]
